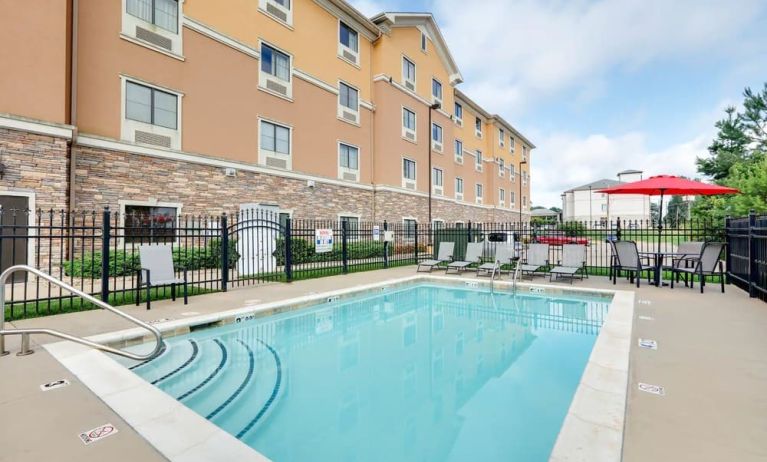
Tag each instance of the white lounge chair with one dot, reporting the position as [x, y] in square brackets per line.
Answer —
[573, 262]
[503, 256]
[157, 270]
[473, 255]
[444, 255]
[537, 258]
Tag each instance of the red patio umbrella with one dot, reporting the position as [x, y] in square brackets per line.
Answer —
[662, 185]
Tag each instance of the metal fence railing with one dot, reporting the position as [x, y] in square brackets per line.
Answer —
[97, 251]
[747, 254]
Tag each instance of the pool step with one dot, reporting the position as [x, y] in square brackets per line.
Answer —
[176, 358]
[207, 365]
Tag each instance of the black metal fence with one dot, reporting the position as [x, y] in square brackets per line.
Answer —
[98, 251]
[747, 254]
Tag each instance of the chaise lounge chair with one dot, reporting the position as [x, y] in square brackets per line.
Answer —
[503, 256]
[573, 262]
[537, 259]
[473, 256]
[445, 255]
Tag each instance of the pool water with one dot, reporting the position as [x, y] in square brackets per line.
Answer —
[421, 373]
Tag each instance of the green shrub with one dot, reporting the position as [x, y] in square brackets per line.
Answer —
[573, 229]
[303, 251]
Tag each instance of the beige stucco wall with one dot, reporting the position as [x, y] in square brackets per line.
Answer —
[34, 77]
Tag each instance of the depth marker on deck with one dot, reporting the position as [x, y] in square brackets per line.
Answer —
[54, 385]
[648, 344]
[652, 389]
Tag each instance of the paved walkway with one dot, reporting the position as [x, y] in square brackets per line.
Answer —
[711, 359]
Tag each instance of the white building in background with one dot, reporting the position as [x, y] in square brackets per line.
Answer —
[585, 203]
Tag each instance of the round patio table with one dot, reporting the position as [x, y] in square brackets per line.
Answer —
[659, 257]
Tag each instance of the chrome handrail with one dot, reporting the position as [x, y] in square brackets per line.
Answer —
[496, 266]
[515, 277]
[25, 333]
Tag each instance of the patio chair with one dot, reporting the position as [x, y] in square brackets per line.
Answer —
[708, 263]
[503, 256]
[626, 258]
[444, 255]
[157, 270]
[473, 255]
[573, 262]
[683, 252]
[537, 259]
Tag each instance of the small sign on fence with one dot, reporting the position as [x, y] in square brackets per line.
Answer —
[376, 233]
[323, 240]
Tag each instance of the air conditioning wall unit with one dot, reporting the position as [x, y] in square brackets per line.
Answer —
[229, 171]
[410, 85]
[408, 184]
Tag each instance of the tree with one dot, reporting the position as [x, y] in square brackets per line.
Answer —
[676, 211]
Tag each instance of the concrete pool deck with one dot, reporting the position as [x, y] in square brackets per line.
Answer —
[711, 359]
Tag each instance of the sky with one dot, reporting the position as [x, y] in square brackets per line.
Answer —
[603, 86]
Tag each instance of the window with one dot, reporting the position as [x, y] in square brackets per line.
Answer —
[458, 113]
[524, 178]
[478, 160]
[501, 197]
[511, 143]
[524, 152]
[348, 157]
[478, 127]
[408, 169]
[408, 73]
[524, 201]
[275, 63]
[352, 224]
[436, 91]
[410, 227]
[436, 137]
[274, 145]
[437, 180]
[458, 147]
[437, 224]
[501, 167]
[423, 42]
[459, 188]
[479, 191]
[501, 137]
[161, 13]
[348, 103]
[408, 124]
[512, 173]
[148, 224]
[151, 106]
[349, 38]
[283, 217]
[512, 198]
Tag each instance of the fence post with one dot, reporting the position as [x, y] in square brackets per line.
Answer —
[727, 247]
[618, 229]
[224, 252]
[468, 231]
[752, 254]
[415, 247]
[386, 244]
[106, 231]
[344, 247]
[289, 249]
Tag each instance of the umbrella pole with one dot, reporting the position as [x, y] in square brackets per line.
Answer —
[660, 220]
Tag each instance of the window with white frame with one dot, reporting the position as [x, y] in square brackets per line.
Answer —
[501, 137]
[479, 192]
[410, 227]
[348, 162]
[524, 152]
[512, 198]
[501, 197]
[458, 148]
[348, 103]
[512, 173]
[150, 224]
[151, 116]
[348, 43]
[436, 91]
[437, 224]
[408, 124]
[478, 160]
[436, 137]
[275, 145]
[408, 74]
[459, 188]
[478, 127]
[275, 71]
[408, 174]
[155, 23]
[437, 181]
[281, 10]
[352, 224]
[458, 114]
[524, 201]
[511, 143]
[524, 178]
[424, 42]
[501, 167]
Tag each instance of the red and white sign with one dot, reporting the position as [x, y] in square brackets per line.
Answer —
[98, 433]
[323, 240]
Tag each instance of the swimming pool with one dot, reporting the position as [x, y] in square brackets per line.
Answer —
[420, 372]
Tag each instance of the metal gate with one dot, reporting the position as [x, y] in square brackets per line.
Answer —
[255, 248]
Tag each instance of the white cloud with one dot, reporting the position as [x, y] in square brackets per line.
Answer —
[566, 161]
[372, 7]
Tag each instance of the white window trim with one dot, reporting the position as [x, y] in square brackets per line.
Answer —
[437, 189]
[404, 228]
[423, 45]
[406, 130]
[342, 170]
[32, 221]
[342, 108]
[511, 143]
[407, 181]
[501, 168]
[264, 77]
[151, 202]
[478, 160]
[501, 137]
[342, 47]
[128, 31]
[288, 12]
[458, 156]
[478, 133]
[436, 146]
[437, 220]
[501, 197]
[458, 121]
[128, 126]
[434, 99]
[402, 71]
[263, 154]
[459, 195]
[477, 197]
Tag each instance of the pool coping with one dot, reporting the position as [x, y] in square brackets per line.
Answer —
[592, 429]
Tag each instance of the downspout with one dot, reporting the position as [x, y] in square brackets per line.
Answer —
[373, 130]
[73, 103]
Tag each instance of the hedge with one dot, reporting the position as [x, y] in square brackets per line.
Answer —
[303, 251]
[126, 263]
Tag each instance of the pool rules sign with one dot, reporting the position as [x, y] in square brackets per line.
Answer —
[323, 240]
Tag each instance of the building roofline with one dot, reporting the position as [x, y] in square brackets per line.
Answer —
[594, 185]
[345, 8]
[391, 19]
[492, 117]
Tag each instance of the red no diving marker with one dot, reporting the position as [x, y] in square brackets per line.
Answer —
[98, 433]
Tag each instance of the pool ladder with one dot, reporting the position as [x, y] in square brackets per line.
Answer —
[496, 268]
[25, 333]
[515, 277]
